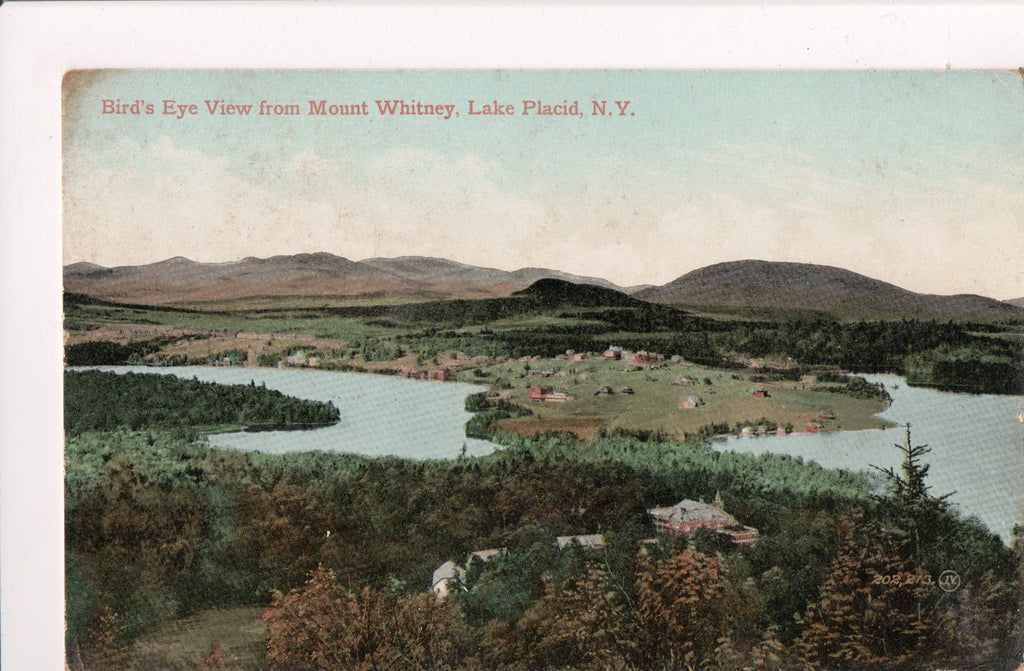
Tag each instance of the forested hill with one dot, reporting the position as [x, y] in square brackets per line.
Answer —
[554, 292]
[824, 289]
[544, 297]
[96, 401]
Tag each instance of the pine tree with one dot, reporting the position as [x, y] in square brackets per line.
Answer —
[872, 612]
[579, 625]
[908, 485]
[681, 603]
[914, 509]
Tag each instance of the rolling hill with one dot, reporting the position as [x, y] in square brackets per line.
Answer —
[180, 280]
[734, 286]
[808, 287]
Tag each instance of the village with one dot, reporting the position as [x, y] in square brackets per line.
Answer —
[578, 392]
[573, 392]
[679, 521]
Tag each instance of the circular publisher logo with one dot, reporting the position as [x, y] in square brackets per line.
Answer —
[949, 581]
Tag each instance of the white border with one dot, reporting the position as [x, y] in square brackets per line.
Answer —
[40, 41]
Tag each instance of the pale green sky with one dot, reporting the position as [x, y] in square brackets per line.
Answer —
[916, 178]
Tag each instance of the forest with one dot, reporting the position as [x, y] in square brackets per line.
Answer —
[97, 400]
[339, 550]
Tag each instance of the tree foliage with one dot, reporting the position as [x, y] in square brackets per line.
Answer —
[95, 400]
[323, 625]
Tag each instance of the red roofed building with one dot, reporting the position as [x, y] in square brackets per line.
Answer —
[546, 395]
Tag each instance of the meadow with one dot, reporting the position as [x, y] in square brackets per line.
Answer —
[652, 402]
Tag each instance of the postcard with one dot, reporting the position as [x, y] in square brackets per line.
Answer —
[499, 367]
[541, 369]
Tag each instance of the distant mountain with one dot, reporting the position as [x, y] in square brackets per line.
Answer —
[179, 279]
[737, 285]
[808, 287]
[1019, 302]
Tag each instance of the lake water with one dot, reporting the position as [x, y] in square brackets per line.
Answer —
[976, 441]
[380, 415]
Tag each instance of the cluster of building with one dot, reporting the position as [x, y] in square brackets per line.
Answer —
[444, 374]
[298, 360]
[641, 360]
[680, 520]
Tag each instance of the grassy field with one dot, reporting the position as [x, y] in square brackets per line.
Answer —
[654, 403]
[180, 645]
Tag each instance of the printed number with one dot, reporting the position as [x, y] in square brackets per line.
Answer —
[897, 579]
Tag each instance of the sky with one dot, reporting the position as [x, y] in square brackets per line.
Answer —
[916, 178]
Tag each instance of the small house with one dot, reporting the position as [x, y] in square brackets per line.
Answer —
[626, 390]
[647, 360]
[544, 394]
[689, 403]
[604, 391]
[586, 541]
[485, 555]
[812, 427]
[612, 354]
[759, 392]
[446, 578]
[557, 396]
[825, 415]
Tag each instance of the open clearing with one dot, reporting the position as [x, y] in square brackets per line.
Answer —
[180, 645]
[724, 397]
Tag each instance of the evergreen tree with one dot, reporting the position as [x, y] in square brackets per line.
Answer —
[681, 603]
[908, 485]
[873, 612]
[915, 511]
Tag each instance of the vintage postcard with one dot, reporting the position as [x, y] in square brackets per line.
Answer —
[543, 369]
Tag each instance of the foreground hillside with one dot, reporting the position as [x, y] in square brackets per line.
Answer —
[337, 552]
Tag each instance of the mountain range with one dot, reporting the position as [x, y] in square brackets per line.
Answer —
[179, 280]
[759, 285]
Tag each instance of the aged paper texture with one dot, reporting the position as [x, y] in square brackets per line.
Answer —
[456, 361]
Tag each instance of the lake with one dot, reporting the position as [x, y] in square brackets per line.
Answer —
[977, 444]
[380, 415]
[977, 441]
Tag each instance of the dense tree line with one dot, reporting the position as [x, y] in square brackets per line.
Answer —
[943, 355]
[107, 353]
[98, 400]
